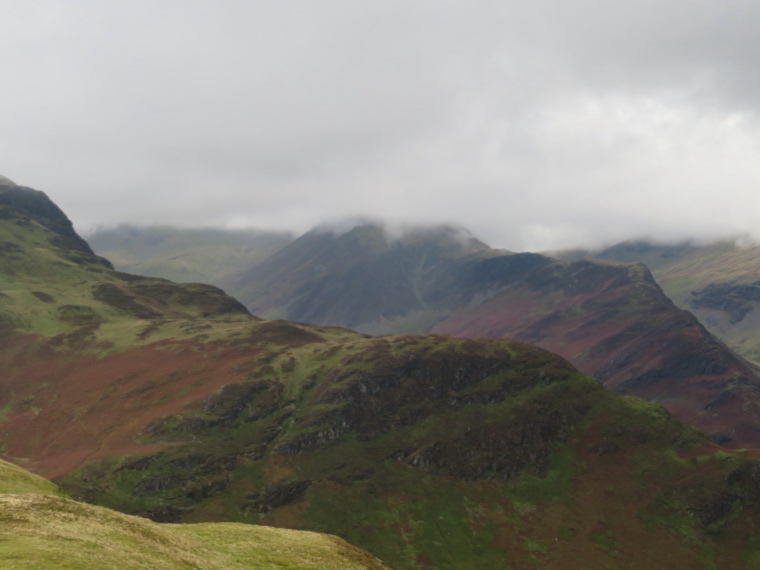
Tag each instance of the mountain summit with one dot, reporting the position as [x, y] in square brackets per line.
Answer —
[361, 278]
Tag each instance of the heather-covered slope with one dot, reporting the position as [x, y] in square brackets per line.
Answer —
[499, 451]
[185, 254]
[75, 334]
[40, 528]
[718, 282]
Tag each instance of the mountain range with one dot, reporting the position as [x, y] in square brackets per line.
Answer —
[172, 402]
[610, 319]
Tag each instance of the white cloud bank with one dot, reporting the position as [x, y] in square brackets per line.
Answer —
[537, 125]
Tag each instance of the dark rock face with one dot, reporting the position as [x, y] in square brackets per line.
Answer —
[523, 442]
[501, 270]
[234, 403]
[116, 297]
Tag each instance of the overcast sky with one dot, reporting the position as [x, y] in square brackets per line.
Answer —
[536, 124]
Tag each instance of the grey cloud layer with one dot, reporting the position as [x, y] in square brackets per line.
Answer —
[535, 124]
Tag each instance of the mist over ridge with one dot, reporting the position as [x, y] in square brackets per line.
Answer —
[394, 230]
[544, 126]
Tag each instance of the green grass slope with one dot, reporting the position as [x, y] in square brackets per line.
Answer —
[40, 528]
[16, 480]
[52, 532]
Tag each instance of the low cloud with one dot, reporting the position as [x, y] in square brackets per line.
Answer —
[537, 126]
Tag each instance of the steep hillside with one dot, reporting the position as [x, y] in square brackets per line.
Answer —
[185, 254]
[614, 323]
[718, 282]
[40, 528]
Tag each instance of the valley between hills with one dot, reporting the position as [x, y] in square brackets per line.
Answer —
[426, 399]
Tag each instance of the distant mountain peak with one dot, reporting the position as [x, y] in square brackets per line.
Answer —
[5, 181]
[392, 232]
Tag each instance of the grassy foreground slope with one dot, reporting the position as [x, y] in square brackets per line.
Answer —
[16, 480]
[39, 528]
